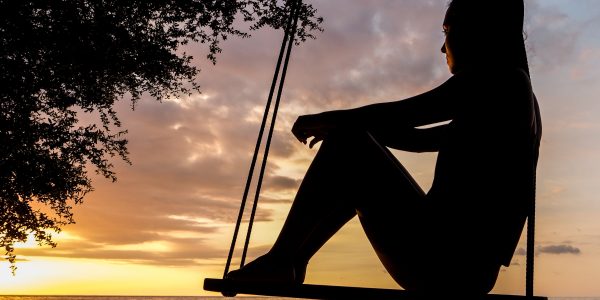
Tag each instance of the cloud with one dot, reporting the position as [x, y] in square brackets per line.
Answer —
[553, 36]
[521, 251]
[282, 182]
[182, 252]
[551, 249]
[559, 249]
[370, 52]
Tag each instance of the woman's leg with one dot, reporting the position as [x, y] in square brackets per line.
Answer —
[353, 174]
[350, 173]
[370, 181]
[392, 210]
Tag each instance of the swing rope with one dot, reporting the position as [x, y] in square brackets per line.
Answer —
[530, 246]
[269, 137]
[529, 264]
[286, 46]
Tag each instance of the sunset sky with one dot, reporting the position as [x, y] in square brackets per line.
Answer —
[166, 224]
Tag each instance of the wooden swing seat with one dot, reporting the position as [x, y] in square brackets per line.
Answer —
[313, 291]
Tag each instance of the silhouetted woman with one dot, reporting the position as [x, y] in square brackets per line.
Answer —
[458, 234]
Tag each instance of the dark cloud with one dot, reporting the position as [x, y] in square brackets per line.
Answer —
[551, 249]
[282, 182]
[275, 201]
[182, 251]
[559, 249]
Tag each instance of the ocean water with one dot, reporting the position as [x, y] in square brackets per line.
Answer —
[188, 298]
[86, 297]
[136, 298]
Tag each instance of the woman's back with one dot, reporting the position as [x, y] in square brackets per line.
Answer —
[485, 169]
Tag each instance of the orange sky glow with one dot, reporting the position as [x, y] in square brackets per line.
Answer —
[166, 224]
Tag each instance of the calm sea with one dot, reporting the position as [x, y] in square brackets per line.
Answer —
[186, 298]
[132, 298]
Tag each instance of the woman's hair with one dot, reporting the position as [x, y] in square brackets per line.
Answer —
[489, 31]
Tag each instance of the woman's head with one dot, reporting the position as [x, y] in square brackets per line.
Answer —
[484, 33]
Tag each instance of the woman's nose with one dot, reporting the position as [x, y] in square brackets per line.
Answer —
[443, 48]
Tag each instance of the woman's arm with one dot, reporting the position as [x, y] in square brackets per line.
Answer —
[415, 139]
[392, 122]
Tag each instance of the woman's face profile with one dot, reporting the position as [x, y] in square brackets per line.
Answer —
[447, 49]
[449, 46]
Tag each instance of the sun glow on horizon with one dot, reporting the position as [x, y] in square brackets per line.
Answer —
[58, 237]
[59, 276]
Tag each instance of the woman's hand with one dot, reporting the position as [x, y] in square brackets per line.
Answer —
[316, 126]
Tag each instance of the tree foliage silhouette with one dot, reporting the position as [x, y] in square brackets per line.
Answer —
[63, 59]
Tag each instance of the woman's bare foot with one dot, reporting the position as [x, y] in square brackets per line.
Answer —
[267, 268]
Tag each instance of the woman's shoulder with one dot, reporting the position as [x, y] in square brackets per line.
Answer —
[503, 92]
[514, 75]
[491, 74]
[497, 82]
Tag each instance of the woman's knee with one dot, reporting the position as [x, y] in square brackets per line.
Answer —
[348, 135]
[351, 141]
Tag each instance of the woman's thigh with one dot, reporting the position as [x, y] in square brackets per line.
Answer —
[367, 169]
[417, 246]
[390, 204]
